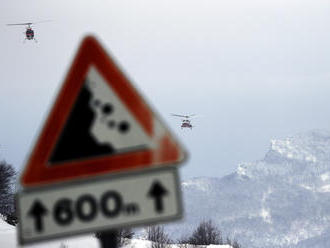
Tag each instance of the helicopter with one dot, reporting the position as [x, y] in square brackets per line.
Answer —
[29, 33]
[186, 123]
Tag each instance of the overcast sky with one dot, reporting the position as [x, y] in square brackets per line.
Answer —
[253, 70]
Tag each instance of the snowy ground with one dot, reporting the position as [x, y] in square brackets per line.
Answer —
[8, 239]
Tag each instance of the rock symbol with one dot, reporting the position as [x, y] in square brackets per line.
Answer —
[107, 109]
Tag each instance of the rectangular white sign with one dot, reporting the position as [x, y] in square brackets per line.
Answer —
[125, 200]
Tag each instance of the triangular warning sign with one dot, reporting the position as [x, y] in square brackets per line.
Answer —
[99, 124]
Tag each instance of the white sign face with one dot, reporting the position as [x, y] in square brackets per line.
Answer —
[113, 124]
[95, 205]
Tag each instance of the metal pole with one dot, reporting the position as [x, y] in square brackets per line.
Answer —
[108, 239]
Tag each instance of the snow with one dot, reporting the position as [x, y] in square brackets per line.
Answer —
[138, 243]
[8, 239]
[265, 214]
[201, 184]
[241, 170]
[7, 235]
[76, 242]
[325, 188]
[325, 176]
[311, 146]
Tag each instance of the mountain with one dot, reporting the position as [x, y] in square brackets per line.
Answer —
[280, 201]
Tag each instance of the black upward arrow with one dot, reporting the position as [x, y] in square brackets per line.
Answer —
[157, 191]
[37, 211]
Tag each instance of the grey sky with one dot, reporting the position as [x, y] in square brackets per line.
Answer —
[254, 70]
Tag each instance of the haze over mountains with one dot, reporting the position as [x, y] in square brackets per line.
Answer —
[282, 200]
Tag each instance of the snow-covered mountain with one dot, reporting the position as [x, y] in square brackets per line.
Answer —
[282, 200]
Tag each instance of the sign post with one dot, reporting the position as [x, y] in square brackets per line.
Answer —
[108, 239]
[103, 159]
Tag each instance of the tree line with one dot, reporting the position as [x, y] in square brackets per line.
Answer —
[7, 192]
[206, 233]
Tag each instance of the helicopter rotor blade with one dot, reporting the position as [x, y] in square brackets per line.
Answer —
[184, 116]
[193, 116]
[16, 24]
[27, 23]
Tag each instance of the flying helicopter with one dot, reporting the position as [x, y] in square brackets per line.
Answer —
[29, 33]
[186, 123]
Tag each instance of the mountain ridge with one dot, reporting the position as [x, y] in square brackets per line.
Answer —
[282, 200]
